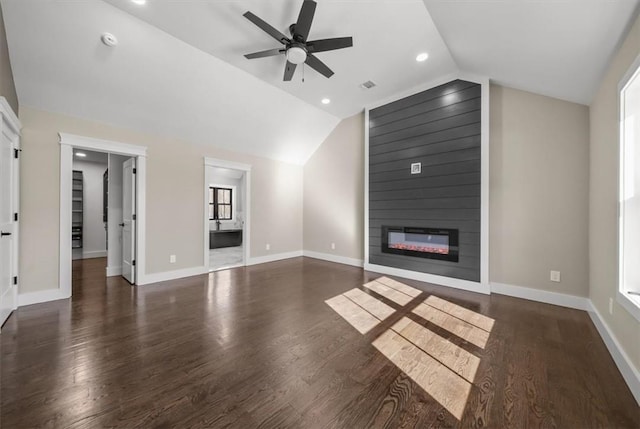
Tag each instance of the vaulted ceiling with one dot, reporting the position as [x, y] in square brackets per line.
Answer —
[179, 68]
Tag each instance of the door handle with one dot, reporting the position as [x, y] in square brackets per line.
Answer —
[2, 233]
[121, 224]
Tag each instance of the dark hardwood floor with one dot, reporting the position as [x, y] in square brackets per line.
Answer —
[259, 347]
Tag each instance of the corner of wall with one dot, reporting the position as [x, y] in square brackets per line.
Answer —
[333, 186]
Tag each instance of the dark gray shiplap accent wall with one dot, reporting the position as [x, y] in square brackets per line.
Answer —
[440, 128]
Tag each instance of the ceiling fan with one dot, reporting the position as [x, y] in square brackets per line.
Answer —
[297, 48]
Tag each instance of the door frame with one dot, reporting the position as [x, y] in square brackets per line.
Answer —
[8, 117]
[246, 228]
[128, 178]
[69, 142]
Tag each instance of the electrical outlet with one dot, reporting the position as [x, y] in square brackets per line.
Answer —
[267, 247]
[610, 305]
[555, 276]
[333, 246]
[172, 259]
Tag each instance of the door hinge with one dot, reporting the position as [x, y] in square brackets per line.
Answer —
[134, 171]
[134, 217]
[15, 217]
[133, 263]
[15, 280]
[16, 152]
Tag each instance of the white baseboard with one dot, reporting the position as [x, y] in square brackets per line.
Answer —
[275, 257]
[555, 298]
[114, 271]
[170, 275]
[94, 254]
[630, 373]
[333, 258]
[38, 297]
[430, 278]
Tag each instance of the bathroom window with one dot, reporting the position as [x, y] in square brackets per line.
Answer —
[220, 203]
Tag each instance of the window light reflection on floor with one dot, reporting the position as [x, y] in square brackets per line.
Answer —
[443, 369]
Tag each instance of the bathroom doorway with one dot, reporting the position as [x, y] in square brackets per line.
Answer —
[226, 214]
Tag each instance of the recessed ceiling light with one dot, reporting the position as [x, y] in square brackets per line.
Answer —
[422, 57]
[81, 154]
[139, 2]
[326, 101]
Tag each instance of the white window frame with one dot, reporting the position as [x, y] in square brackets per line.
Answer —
[630, 302]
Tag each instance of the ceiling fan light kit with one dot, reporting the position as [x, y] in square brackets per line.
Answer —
[296, 55]
[297, 48]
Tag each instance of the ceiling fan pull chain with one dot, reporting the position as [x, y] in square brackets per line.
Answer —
[302, 72]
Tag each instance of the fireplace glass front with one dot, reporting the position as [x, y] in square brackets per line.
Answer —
[433, 243]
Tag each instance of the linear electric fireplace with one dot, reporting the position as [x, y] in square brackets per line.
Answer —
[433, 243]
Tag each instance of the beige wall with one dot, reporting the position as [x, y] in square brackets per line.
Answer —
[603, 198]
[7, 88]
[175, 198]
[334, 192]
[539, 177]
[538, 198]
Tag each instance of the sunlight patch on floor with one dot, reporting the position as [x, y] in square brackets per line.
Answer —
[458, 327]
[476, 319]
[442, 384]
[376, 307]
[457, 359]
[357, 316]
[408, 290]
[388, 292]
[443, 369]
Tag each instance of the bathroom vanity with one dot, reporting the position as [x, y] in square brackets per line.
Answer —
[225, 238]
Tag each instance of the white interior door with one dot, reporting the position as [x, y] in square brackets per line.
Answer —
[129, 220]
[7, 225]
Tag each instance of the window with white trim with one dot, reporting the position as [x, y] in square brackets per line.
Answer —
[629, 194]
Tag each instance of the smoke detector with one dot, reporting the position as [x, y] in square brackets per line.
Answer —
[109, 39]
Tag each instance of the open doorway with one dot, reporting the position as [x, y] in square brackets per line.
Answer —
[102, 226]
[101, 211]
[226, 214]
[88, 229]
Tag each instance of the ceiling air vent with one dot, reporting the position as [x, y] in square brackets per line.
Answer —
[367, 85]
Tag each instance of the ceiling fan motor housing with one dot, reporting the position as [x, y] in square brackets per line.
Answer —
[292, 30]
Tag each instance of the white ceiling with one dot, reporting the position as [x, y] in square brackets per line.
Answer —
[387, 36]
[151, 82]
[179, 68]
[91, 156]
[558, 48]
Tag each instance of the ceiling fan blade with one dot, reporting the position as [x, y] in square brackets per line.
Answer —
[305, 18]
[288, 71]
[266, 28]
[262, 54]
[324, 45]
[318, 66]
